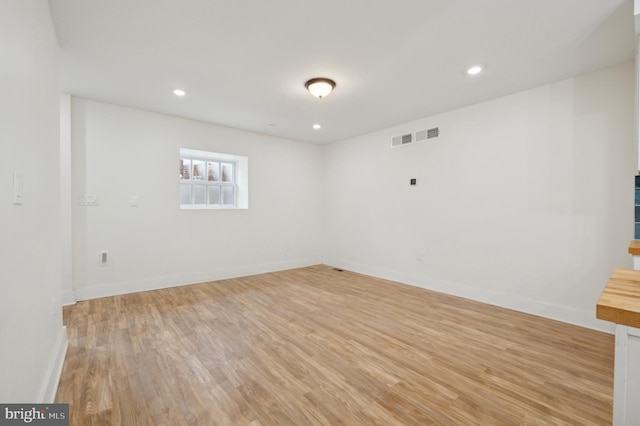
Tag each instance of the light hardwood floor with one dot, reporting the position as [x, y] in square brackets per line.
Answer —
[319, 346]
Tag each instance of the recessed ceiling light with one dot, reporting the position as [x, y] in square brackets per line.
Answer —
[179, 92]
[474, 70]
[317, 126]
[270, 125]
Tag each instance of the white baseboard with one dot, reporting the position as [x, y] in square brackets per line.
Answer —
[125, 287]
[582, 318]
[49, 386]
[68, 298]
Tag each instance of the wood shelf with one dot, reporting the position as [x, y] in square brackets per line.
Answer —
[620, 300]
[634, 247]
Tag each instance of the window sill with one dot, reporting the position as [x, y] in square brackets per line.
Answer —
[212, 208]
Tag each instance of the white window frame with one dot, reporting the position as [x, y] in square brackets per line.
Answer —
[238, 180]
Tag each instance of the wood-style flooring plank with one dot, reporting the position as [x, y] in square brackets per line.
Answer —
[318, 346]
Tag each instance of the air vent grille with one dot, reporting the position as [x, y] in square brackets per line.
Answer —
[421, 135]
[402, 140]
[418, 136]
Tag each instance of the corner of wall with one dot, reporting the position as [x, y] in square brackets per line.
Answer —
[156, 283]
[68, 298]
[49, 386]
[509, 301]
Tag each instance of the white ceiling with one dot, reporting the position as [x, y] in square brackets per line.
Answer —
[244, 63]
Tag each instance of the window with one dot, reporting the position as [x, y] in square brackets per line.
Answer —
[210, 180]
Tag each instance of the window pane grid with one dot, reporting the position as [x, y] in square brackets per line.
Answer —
[206, 182]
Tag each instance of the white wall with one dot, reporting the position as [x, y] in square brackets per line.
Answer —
[118, 152]
[31, 333]
[525, 201]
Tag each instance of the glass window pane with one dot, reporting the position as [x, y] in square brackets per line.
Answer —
[185, 194]
[199, 194]
[228, 196]
[213, 171]
[198, 170]
[227, 172]
[185, 168]
[214, 195]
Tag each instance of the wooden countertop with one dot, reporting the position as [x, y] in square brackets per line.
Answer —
[634, 247]
[620, 300]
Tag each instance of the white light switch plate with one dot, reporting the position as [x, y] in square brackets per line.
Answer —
[18, 188]
[88, 200]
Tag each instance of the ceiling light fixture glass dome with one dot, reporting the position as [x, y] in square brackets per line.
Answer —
[320, 87]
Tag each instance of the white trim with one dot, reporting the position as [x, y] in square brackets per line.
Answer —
[632, 331]
[49, 386]
[68, 298]
[209, 155]
[209, 207]
[66, 222]
[565, 314]
[117, 288]
[620, 375]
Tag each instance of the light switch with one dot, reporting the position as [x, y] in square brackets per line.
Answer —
[18, 188]
[88, 200]
[133, 200]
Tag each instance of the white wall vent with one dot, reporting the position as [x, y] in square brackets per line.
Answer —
[421, 135]
[402, 140]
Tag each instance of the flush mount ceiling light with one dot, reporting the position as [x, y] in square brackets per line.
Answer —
[474, 70]
[179, 92]
[320, 87]
[317, 126]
